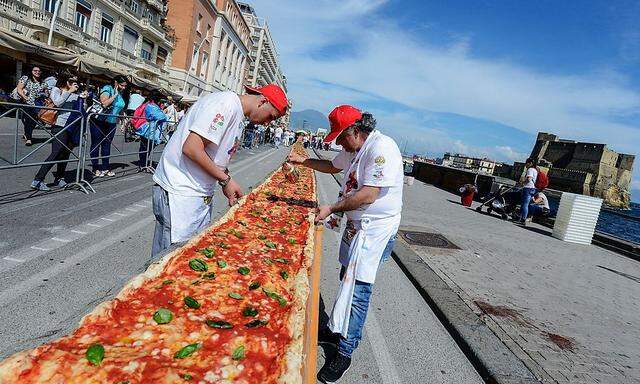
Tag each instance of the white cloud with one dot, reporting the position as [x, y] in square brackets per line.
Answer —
[389, 63]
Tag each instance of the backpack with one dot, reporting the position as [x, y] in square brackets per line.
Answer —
[138, 116]
[542, 181]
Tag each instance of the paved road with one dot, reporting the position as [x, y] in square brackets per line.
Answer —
[65, 252]
[569, 311]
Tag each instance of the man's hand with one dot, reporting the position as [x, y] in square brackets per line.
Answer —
[322, 212]
[296, 158]
[232, 191]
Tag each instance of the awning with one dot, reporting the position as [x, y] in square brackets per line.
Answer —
[21, 44]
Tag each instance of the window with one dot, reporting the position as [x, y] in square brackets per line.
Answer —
[203, 67]
[194, 59]
[129, 40]
[135, 6]
[106, 27]
[208, 32]
[50, 5]
[83, 14]
[198, 23]
[161, 56]
[147, 49]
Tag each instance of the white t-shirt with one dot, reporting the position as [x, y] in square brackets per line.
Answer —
[381, 167]
[218, 118]
[279, 132]
[534, 176]
[545, 202]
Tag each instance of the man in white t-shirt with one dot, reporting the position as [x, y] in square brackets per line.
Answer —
[196, 158]
[277, 140]
[371, 198]
[528, 188]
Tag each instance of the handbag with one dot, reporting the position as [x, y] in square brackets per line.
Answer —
[48, 116]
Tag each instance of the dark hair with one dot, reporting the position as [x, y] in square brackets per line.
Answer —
[366, 123]
[63, 78]
[121, 79]
[30, 75]
[532, 161]
[155, 96]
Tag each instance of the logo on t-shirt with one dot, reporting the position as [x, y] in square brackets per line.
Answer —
[217, 122]
[379, 161]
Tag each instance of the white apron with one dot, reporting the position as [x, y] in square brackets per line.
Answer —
[361, 249]
[189, 215]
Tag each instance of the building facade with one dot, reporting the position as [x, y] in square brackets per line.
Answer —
[212, 47]
[481, 165]
[265, 66]
[104, 37]
[586, 168]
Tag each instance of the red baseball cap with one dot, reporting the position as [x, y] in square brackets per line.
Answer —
[274, 94]
[341, 118]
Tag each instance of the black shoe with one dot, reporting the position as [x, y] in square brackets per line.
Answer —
[325, 336]
[334, 370]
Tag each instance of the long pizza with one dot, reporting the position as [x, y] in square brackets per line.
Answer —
[228, 307]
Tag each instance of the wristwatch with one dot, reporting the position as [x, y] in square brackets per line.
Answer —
[223, 183]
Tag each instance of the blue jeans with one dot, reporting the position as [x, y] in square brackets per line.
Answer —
[102, 134]
[526, 194]
[360, 306]
[537, 210]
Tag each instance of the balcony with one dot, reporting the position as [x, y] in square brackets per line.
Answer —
[150, 66]
[127, 58]
[15, 10]
[154, 28]
[157, 4]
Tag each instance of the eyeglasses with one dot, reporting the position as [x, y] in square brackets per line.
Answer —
[36, 70]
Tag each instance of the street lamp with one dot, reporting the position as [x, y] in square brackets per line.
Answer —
[53, 20]
[191, 65]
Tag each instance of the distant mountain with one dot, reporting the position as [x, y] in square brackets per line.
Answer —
[309, 119]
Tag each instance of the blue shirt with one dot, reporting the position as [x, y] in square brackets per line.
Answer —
[116, 106]
[135, 100]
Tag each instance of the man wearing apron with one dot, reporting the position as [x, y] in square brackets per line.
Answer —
[196, 158]
[371, 198]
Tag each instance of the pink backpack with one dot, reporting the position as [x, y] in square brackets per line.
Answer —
[138, 116]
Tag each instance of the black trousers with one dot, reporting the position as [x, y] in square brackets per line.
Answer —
[58, 152]
[29, 116]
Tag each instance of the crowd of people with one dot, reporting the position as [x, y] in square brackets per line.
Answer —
[60, 101]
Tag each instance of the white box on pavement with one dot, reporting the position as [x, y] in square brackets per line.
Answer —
[577, 217]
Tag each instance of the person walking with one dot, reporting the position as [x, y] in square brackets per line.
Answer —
[196, 158]
[103, 126]
[371, 198]
[65, 131]
[528, 188]
[28, 90]
[277, 137]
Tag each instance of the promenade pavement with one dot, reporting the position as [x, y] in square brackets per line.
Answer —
[570, 312]
[64, 252]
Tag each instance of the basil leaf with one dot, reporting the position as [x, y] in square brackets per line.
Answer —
[275, 296]
[209, 275]
[282, 231]
[262, 237]
[191, 302]
[219, 324]
[298, 222]
[221, 263]
[284, 275]
[198, 265]
[186, 376]
[291, 241]
[249, 311]
[123, 382]
[238, 353]
[224, 245]
[235, 295]
[256, 323]
[207, 252]
[268, 261]
[95, 354]
[266, 219]
[242, 223]
[187, 351]
[243, 271]
[270, 244]
[167, 282]
[254, 285]
[282, 260]
[163, 316]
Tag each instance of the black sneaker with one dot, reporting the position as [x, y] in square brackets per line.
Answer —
[325, 336]
[334, 370]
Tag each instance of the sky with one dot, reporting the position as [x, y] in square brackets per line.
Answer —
[477, 77]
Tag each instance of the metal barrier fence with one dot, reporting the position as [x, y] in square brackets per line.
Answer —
[98, 135]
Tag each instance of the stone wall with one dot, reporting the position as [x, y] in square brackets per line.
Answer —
[450, 179]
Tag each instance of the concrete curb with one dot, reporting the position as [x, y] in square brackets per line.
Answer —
[488, 354]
